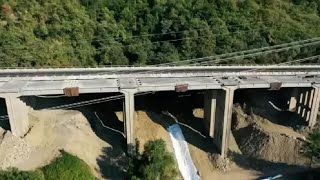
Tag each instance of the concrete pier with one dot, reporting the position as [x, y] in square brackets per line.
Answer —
[210, 101]
[217, 116]
[293, 100]
[17, 114]
[314, 105]
[223, 115]
[305, 102]
[129, 119]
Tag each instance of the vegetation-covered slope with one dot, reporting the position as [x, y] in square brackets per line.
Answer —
[100, 32]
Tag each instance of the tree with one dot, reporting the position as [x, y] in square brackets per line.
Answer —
[312, 149]
[46, 33]
[155, 163]
[137, 32]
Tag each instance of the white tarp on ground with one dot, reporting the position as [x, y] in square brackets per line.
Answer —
[180, 146]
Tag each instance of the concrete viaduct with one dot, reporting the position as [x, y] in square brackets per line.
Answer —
[218, 82]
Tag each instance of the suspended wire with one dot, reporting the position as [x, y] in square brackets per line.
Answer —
[183, 31]
[80, 104]
[129, 45]
[178, 32]
[219, 58]
[89, 102]
[191, 30]
[202, 58]
[58, 96]
[154, 42]
[85, 103]
[244, 54]
[288, 62]
[195, 61]
[255, 52]
[245, 51]
[185, 38]
[262, 53]
[94, 101]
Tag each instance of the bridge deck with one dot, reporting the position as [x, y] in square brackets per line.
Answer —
[179, 71]
[48, 87]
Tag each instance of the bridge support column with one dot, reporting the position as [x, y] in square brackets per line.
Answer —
[305, 102]
[293, 100]
[222, 127]
[17, 114]
[129, 117]
[210, 101]
[314, 102]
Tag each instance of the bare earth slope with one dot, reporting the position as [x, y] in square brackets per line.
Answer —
[258, 137]
[52, 131]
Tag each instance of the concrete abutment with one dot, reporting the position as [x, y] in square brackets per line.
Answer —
[18, 114]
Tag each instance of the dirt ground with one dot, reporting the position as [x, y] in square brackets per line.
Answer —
[260, 138]
[208, 170]
[153, 130]
[53, 131]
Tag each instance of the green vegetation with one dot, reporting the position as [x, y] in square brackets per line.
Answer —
[154, 164]
[15, 174]
[312, 149]
[66, 167]
[99, 32]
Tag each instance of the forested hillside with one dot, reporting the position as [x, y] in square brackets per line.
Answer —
[137, 32]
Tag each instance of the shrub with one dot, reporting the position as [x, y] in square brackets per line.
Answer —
[67, 167]
[15, 174]
[312, 148]
[155, 163]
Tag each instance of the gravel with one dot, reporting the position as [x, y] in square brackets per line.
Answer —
[220, 163]
[13, 150]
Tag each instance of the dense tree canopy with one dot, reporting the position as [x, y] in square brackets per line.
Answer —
[137, 32]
